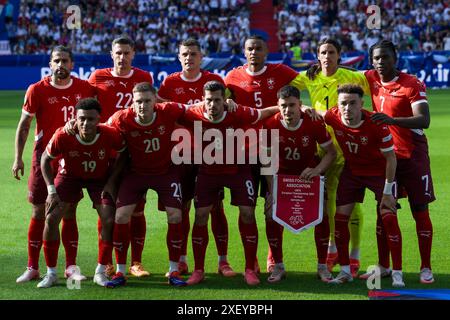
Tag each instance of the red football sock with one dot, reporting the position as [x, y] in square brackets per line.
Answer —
[249, 236]
[200, 240]
[105, 252]
[321, 237]
[121, 241]
[51, 248]
[274, 233]
[138, 228]
[69, 237]
[342, 237]
[185, 228]
[382, 243]
[219, 226]
[394, 235]
[173, 240]
[99, 231]
[424, 230]
[35, 233]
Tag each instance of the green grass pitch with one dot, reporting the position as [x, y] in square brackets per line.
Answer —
[299, 250]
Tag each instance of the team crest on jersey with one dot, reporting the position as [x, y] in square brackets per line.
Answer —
[78, 97]
[243, 84]
[74, 154]
[179, 91]
[52, 100]
[109, 83]
[135, 134]
[339, 133]
[364, 140]
[161, 129]
[101, 154]
[305, 141]
[271, 83]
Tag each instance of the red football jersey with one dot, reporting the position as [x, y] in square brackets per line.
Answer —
[179, 89]
[362, 145]
[298, 146]
[149, 144]
[240, 119]
[86, 161]
[116, 92]
[53, 106]
[397, 99]
[258, 89]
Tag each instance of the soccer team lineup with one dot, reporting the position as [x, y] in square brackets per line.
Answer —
[116, 136]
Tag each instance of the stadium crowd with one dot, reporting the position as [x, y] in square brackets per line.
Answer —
[220, 25]
[157, 25]
[413, 25]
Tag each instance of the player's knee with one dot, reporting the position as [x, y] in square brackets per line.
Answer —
[138, 214]
[173, 215]
[107, 222]
[418, 207]
[123, 214]
[70, 211]
[201, 216]
[38, 211]
[247, 214]
[53, 219]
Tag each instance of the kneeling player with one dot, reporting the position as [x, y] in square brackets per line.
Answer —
[84, 164]
[147, 128]
[370, 162]
[299, 135]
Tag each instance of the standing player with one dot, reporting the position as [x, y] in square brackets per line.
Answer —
[370, 162]
[214, 176]
[52, 101]
[187, 87]
[86, 157]
[400, 101]
[256, 84]
[321, 81]
[147, 128]
[299, 136]
[114, 89]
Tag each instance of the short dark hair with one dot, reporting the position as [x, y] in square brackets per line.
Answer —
[61, 49]
[123, 40]
[144, 87]
[350, 89]
[191, 42]
[214, 86]
[88, 104]
[255, 37]
[288, 91]
[383, 44]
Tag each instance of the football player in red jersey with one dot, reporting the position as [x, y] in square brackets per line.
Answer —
[299, 135]
[256, 84]
[370, 162]
[52, 101]
[85, 163]
[187, 87]
[114, 89]
[400, 101]
[147, 128]
[214, 175]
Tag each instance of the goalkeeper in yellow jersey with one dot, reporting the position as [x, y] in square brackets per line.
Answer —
[322, 80]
